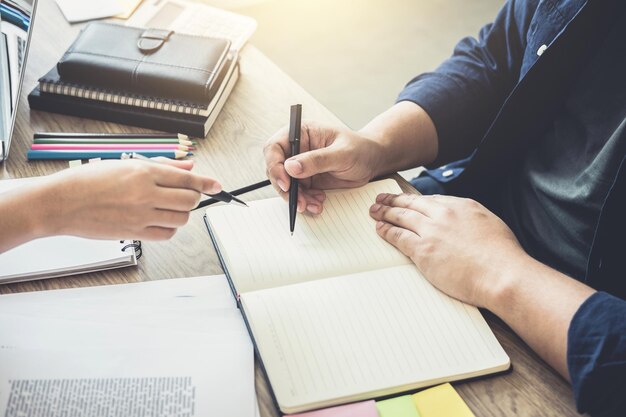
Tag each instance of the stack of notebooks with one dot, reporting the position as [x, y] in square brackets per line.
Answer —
[149, 78]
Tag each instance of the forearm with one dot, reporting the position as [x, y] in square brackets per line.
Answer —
[21, 215]
[538, 303]
[407, 136]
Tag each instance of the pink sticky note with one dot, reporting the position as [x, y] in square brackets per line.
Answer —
[362, 409]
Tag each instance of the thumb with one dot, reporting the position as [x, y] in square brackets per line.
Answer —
[313, 162]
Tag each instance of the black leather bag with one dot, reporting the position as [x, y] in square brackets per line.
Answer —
[149, 62]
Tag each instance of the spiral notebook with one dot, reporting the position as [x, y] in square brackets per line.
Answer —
[57, 256]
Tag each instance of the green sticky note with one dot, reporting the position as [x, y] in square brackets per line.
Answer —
[397, 407]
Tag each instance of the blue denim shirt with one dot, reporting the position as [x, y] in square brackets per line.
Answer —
[508, 81]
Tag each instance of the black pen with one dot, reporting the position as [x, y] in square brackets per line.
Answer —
[222, 196]
[295, 120]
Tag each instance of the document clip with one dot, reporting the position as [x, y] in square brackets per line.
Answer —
[153, 39]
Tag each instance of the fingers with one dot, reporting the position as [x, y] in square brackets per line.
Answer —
[314, 162]
[312, 200]
[274, 161]
[186, 164]
[406, 218]
[428, 206]
[167, 176]
[403, 239]
[157, 233]
[275, 153]
[168, 218]
[177, 199]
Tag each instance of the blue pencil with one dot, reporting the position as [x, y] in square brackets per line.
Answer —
[70, 155]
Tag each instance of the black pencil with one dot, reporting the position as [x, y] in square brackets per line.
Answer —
[238, 191]
[51, 135]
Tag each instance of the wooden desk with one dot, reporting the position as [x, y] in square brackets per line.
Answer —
[232, 152]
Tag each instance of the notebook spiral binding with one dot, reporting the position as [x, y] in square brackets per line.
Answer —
[136, 245]
[98, 94]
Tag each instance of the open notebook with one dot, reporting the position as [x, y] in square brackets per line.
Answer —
[336, 313]
[61, 255]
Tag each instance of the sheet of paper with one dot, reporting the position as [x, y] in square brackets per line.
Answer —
[17, 331]
[84, 10]
[399, 407]
[260, 252]
[200, 304]
[194, 18]
[366, 335]
[129, 8]
[442, 400]
[208, 291]
[172, 342]
[361, 409]
[211, 381]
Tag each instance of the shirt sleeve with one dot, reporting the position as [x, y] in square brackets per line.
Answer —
[596, 355]
[463, 95]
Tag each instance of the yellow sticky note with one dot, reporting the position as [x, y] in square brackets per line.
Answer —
[397, 407]
[441, 401]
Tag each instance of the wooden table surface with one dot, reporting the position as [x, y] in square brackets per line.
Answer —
[232, 152]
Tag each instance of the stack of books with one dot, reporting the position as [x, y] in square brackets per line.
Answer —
[147, 89]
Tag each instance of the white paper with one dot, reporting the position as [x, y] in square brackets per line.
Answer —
[83, 10]
[168, 313]
[188, 382]
[192, 18]
[210, 291]
[182, 337]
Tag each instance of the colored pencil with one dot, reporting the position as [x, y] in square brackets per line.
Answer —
[69, 141]
[44, 155]
[42, 135]
[110, 147]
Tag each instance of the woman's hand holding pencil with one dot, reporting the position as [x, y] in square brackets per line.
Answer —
[131, 199]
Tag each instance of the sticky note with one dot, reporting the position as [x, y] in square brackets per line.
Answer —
[362, 409]
[439, 401]
[397, 407]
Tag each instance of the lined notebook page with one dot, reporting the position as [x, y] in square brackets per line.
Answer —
[260, 252]
[366, 335]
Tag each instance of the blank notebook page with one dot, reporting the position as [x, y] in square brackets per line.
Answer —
[366, 335]
[260, 252]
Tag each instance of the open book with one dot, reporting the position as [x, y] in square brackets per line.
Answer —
[339, 315]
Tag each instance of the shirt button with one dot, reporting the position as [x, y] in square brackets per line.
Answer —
[447, 173]
[542, 49]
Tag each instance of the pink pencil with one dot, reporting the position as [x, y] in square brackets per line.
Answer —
[101, 147]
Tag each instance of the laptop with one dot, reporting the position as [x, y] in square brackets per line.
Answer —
[15, 32]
